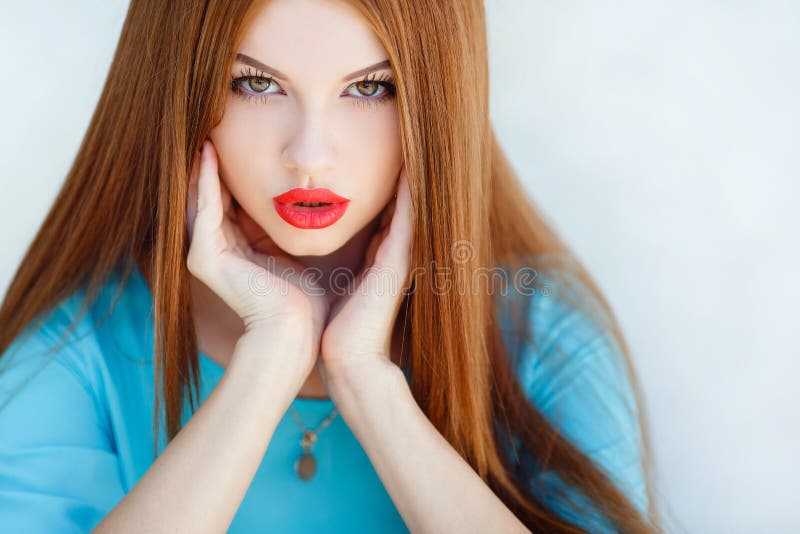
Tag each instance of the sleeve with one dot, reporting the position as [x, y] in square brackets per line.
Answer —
[576, 375]
[58, 468]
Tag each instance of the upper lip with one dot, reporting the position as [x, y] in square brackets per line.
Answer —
[319, 194]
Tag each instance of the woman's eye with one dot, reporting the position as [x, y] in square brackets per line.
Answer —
[369, 88]
[253, 86]
[259, 85]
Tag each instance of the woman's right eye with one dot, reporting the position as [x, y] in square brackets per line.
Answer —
[253, 87]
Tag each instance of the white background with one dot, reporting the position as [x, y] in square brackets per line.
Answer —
[660, 138]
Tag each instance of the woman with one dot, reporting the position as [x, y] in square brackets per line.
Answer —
[340, 384]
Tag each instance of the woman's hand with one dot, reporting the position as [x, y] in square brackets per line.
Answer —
[360, 328]
[269, 291]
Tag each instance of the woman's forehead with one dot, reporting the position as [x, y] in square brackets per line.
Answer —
[308, 40]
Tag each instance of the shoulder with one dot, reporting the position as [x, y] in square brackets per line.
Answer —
[57, 455]
[572, 338]
[78, 352]
[573, 370]
[55, 353]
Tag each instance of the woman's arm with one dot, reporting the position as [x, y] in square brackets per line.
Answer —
[200, 479]
[431, 485]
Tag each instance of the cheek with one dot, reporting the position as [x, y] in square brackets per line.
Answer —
[373, 153]
[244, 143]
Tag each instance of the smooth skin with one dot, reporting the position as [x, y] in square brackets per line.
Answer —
[309, 126]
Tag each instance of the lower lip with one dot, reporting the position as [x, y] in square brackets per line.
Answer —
[308, 217]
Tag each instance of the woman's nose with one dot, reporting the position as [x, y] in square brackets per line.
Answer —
[310, 151]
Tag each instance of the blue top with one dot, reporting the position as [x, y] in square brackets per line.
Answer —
[76, 426]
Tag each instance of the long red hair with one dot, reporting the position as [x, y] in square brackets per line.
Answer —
[123, 204]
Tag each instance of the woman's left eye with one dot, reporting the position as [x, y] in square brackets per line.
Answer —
[369, 88]
[368, 92]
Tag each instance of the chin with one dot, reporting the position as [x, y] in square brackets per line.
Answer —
[316, 243]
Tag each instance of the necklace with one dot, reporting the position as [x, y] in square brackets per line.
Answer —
[306, 465]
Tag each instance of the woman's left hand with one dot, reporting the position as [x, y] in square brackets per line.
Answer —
[359, 330]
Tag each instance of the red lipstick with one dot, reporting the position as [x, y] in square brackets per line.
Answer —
[289, 206]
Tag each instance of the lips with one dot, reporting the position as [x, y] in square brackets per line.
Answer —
[320, 194]
[289, 207]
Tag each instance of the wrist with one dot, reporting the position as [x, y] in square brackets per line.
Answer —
[367, 389]
[360, 374]
[273, 361]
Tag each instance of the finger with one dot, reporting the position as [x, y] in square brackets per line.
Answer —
[386, 279]
[258, 238]
[374, 243]
[234, 238]
[209, 201]
[369, 255]
[403, 224]
[399, 238]
[191, 196]
[388, 213]
[227, 199]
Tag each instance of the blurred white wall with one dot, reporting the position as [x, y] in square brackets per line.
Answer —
[660, 138]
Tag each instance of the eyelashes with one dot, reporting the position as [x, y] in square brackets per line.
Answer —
[251, 86]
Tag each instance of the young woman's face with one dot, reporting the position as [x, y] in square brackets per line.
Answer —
[301, 115]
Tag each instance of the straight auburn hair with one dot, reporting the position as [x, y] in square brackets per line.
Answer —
[123, 204]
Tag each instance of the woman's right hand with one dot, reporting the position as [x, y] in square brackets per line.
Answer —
[271, 293]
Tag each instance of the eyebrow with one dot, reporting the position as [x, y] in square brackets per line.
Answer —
[247, 60]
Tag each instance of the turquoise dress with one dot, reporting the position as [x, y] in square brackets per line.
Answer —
[76, 426]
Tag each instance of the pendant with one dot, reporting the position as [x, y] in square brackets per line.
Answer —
[305, 466]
